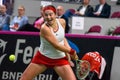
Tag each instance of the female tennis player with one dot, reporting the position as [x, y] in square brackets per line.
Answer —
[53, 49]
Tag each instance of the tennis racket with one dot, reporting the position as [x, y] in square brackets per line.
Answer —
[82, 69]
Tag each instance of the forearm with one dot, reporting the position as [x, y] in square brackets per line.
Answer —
[67, 45]
[62, 48]
[68, 56]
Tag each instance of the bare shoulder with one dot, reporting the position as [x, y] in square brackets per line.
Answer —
[44, 29]
[63, 23]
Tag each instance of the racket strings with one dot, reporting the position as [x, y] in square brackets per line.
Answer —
[83, 69]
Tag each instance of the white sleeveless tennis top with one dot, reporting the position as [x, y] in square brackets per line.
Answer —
[47, 49]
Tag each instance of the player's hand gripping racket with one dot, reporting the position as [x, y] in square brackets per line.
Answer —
[82, 69]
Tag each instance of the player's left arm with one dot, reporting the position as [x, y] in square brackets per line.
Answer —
[63, 23]
[67, 45]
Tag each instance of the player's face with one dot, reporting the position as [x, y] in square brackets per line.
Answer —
[49, 16]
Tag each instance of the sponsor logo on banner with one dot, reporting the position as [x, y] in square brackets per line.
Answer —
[24, 52]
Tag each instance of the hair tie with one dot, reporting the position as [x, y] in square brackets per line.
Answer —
[49, 8]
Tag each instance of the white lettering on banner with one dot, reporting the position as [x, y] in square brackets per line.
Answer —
[28, 54]
[95, 56]
[27, 51]
[18, 50]
[16, 76]
[11, 75]
[43, 77]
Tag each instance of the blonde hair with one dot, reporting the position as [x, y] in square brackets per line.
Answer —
[21, 7]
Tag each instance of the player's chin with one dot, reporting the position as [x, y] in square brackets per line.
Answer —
[50, 22]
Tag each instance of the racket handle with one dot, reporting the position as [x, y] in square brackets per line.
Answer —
[75, 57]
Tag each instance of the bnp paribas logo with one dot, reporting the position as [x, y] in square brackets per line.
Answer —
[2, 49]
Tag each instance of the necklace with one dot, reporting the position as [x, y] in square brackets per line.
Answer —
[54, 26]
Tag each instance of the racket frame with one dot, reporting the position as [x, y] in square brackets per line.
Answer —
[78, 62]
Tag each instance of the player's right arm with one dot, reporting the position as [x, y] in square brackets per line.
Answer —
[47, 34]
